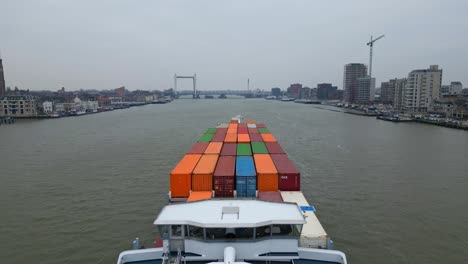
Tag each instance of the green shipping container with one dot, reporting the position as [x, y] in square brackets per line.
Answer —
[263, 130]
[206, 137]
[259, 148]
[244, 149]
[211, 131]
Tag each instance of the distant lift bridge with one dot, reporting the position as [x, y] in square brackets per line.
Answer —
[194, 80]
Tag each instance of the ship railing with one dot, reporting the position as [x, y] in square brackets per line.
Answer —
[166, 255]
[179, 256]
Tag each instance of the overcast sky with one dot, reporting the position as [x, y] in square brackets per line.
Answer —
[141, 44]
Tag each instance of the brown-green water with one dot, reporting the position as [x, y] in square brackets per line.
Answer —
[78, 190]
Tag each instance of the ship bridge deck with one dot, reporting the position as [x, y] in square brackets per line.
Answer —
[230, 214]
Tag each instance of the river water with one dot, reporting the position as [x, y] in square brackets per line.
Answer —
[79, 190]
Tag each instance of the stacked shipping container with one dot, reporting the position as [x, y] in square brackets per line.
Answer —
[235, 158]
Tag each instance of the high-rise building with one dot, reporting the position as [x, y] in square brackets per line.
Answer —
[365, 91]
[387, 92]
[422, 88]
[294, 90]
[326, 91]
[2, 80]
[352, 72]
[398, 93]
[392, 90]
[120, 91]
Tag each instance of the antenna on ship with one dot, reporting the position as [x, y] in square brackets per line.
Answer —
[371, 45]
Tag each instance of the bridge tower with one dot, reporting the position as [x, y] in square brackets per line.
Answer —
[194, 81]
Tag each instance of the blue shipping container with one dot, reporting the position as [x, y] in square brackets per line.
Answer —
[246, 186]
[245, 166]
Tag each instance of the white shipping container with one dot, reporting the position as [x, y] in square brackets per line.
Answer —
[312, 235]
[295, 197]
[252, 125]
[222, 126]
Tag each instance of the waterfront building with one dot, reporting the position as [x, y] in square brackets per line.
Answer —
[326, 91]
[306, 93]
[387, 92]
[120, 92]
[352, 72]
[149, 98]
[391, 91]
[47, 107]
[65, 107]
[115, 100]
[104, 101]
[398, 97]
[423, 87]
[2, 80]
[89, 105]
[456, 88]
[294, 90]
[18, 106]
[365, 90]
[276, 92]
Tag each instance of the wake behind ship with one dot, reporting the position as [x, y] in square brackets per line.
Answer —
[235, 198]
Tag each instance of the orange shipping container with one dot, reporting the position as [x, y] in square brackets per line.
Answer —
[268, 138]
[230, 138]
[243, 138]
[181, 175]
[250, 121]
[214, 148]
[267, 175]
[232, 130]
[202, 176]
[197, 196]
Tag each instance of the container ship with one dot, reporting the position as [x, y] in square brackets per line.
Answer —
[235, 197]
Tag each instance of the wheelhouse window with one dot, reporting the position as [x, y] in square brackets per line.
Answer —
[176, 230]
[164, 231]
[284, 230]
[195, 232]
[229, 233]
[262, 231]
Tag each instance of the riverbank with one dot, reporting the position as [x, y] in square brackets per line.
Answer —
[449, 124]
[81, 112]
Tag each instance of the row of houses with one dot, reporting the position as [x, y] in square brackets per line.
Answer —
[21, 105]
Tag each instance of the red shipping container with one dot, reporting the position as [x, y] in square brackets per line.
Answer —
[223, 176]
[218, 137]
[260, 125]
[256, 138]
[198, 148]
[274, 148]
[221, 130]
[289, 178]
[242, 130]
[270, 196]
[229, 149]
[228, 193]
[243, 125]
[253, 131]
